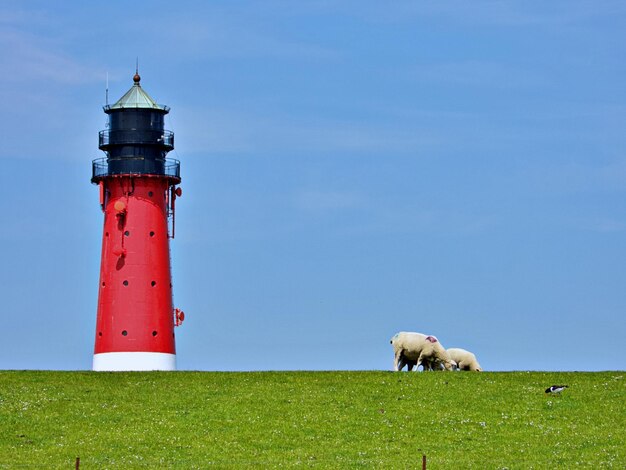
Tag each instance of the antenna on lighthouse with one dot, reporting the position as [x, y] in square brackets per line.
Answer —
[137, 78]
[107, 90]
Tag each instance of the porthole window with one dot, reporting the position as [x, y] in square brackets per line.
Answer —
[103, 284]
[106, 234]
[99, 333]
[153, 283]
[127, 233]
[125, 282]
[124, 333]
[152, 234]
[154, 333]
[150, 194]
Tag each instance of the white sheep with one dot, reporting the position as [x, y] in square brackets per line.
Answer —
[465, 360]
[415, 349]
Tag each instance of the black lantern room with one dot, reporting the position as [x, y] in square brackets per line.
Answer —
[136, 141]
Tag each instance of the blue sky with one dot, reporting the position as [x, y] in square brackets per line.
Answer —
[350, 170]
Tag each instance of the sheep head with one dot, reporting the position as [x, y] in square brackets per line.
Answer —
[448, 364]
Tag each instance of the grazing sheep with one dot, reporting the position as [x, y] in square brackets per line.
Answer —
[465, 360]
[415, 349]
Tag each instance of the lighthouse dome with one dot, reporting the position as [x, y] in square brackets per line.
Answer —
[136, 97]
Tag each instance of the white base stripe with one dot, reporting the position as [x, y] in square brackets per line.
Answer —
[121, 361]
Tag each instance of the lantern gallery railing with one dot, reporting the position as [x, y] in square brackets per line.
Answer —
[102, 167]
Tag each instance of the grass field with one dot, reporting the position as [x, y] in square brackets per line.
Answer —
[318, 419]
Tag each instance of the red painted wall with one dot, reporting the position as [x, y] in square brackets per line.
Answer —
[135, 294]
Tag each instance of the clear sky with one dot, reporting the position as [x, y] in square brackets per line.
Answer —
[350, 170]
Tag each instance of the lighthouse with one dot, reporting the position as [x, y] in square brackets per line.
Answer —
[138, 189]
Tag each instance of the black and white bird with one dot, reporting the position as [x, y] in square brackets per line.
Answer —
[556, 388]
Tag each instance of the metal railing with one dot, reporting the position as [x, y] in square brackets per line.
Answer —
[148, 136]
[100, 169]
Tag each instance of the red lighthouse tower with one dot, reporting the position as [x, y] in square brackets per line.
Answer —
[136, 318]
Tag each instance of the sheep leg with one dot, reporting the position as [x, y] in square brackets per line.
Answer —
[398, 361]
[421, 360]
[408, 363]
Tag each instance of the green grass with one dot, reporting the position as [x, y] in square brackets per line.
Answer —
[318, 419]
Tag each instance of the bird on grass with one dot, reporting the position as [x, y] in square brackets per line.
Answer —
[556, 388]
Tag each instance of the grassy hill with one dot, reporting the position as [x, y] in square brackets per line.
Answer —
[319, 419]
